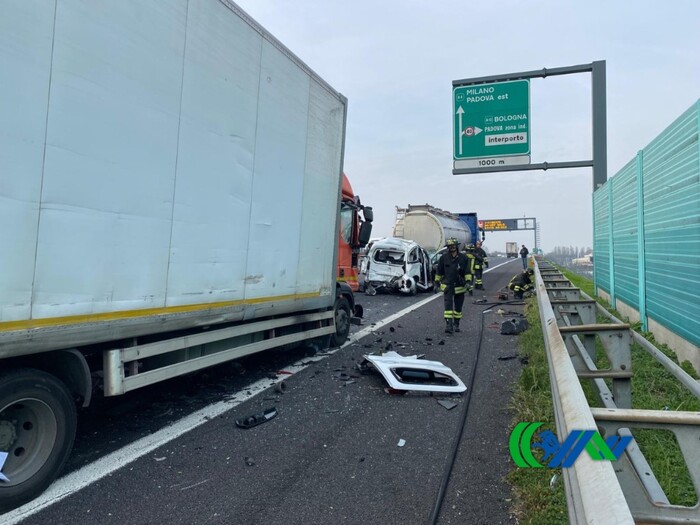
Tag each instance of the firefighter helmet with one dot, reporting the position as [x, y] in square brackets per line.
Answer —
[452, 242]
[470, 247]
[530, 271]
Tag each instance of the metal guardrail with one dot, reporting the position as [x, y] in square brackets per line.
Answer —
[600, 491]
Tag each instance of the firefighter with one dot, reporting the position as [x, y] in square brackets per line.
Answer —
[471, 260]
[480, 260]
[451, 277]
[521, 283]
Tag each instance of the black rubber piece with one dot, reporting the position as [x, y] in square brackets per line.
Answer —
[257, 419]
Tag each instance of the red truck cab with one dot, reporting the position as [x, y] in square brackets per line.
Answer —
[355, 232]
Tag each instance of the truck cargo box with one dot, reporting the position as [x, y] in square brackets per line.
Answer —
[159, 160]
[170, 179]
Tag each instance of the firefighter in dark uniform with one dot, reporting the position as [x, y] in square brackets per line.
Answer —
[480, 260]
[452, 276]
[521, 283]
[471, 260]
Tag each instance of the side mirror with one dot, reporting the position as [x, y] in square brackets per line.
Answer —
[365, 233]
[368, 213]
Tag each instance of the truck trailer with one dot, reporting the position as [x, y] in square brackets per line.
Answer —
[512, 250]
[170, 180]
[430, 227]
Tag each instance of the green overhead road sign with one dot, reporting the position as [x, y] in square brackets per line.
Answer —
[491, 124]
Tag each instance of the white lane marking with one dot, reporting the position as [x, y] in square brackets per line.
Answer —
[105, 466]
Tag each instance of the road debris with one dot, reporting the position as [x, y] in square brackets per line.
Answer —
[257, 419]
[514, 326]
[413, 373]
[449, 405]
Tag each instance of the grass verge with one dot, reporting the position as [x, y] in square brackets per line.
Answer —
[538, 501]
[652, 388]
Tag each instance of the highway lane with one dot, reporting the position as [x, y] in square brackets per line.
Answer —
[328, 436]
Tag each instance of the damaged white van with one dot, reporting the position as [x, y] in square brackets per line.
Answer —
[396, 265]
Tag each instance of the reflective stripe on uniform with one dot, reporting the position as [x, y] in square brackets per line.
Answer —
[449, 314]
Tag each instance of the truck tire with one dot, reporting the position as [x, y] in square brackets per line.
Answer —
[37, 428]
[342, 314]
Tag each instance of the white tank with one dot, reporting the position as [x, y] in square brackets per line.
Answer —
[430, 227]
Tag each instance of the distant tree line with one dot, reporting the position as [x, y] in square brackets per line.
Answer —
[563, 255]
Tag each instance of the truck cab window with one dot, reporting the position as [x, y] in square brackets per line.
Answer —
[346, 216]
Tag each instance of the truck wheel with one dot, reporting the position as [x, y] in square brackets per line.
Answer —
[342, 313]
[37, 428]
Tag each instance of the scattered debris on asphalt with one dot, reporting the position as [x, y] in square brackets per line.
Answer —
[507, 357]
[414, 373]
[449, 405]
[249, 461]
[257, 419]
[514, 326]
[401, 443]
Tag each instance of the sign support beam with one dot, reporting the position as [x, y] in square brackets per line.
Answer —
[599, 162]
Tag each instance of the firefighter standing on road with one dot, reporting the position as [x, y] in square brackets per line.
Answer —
[452, 276]
[521, 283]
[471, 265]
[480, 260]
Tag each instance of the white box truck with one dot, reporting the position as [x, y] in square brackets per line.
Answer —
[170, 180]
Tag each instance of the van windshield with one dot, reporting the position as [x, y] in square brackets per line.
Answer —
[389, 257]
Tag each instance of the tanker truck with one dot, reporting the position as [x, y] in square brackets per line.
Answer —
[170, 189]
[430, 227]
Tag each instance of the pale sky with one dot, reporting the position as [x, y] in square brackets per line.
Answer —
[395, 61]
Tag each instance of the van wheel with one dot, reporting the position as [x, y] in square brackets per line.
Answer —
[37, 428]
[342, 314]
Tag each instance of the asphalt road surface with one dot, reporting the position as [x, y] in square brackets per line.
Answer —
[340, 450]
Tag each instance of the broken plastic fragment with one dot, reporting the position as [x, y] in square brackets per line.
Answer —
[401, 443]
[257, 419]
[449, 405]
[411, 373]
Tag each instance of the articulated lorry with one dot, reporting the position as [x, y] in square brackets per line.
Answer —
[430, 227]
[471, 219]
[170, 179]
